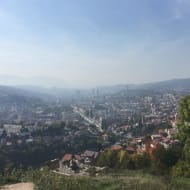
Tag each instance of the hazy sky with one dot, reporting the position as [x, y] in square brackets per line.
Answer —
[82, 43]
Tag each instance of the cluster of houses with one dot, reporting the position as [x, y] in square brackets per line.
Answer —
[15, 135]
[76, 163]
[165, 138]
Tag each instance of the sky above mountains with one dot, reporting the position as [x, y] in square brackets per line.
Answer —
[84, 43]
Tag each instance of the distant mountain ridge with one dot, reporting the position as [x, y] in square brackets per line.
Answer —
[12, 95]
[177, 84]
[51, 93]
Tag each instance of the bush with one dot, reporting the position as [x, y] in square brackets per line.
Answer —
[182, 168]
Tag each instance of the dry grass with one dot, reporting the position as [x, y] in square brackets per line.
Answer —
[19, 186]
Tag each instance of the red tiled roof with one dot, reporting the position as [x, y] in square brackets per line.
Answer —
[116, 147]
[67, 157]
[131, 149]
[77, 157]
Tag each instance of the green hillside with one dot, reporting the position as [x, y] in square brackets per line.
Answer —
[46, 180]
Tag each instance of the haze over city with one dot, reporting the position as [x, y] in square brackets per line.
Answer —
[82, 43]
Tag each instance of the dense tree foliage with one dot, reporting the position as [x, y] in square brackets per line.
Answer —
[184, 119]
[122, 160]
[161, 163]
[183, 166]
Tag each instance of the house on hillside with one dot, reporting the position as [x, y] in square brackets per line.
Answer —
[69, 164]
[172, 132]
[89, 156]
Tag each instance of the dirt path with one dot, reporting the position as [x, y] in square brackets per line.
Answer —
[19, 186]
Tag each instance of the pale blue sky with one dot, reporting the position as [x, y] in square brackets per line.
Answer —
[95, 42]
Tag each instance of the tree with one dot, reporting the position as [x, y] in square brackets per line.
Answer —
[187, 151]
[183, 166]
[140, 161]
[184, 119]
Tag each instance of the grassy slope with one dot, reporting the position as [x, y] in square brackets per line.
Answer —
[123, 180]
[127, 181]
